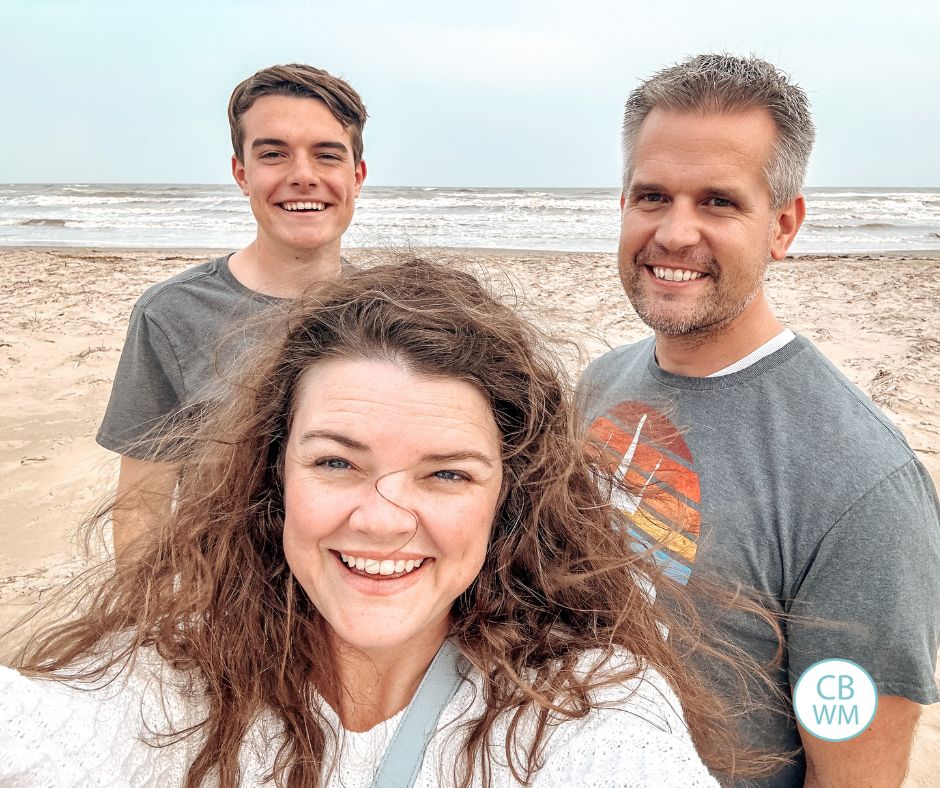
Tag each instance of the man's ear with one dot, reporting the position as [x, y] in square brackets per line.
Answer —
[238, 173]
[787, 221]
[360, 176]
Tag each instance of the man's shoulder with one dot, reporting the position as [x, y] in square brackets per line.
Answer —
[619, 360]
[825, 395]
[608, 378]
[207, 276]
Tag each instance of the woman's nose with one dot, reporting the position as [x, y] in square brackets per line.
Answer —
[384, 509]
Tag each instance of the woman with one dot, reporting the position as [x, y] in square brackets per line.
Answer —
[401, 472]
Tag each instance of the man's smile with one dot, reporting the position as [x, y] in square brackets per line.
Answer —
[675, 274]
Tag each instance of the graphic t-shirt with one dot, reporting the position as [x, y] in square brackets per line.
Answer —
[787, 479]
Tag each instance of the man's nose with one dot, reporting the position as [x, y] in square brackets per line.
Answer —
[384, 512]
[678, 227]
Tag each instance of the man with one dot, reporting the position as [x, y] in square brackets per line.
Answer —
[780, 476]
[297, 139]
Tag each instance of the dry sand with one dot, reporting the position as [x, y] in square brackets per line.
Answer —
[63, 314]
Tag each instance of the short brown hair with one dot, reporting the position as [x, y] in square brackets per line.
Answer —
[722, 83]
[297, 79]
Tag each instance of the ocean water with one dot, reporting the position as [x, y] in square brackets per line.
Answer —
[217, 216]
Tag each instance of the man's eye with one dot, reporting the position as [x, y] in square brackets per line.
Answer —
[720, 202]
[270, 154]
[651, 198]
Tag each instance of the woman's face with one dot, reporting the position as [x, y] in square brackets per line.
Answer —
[391, 485]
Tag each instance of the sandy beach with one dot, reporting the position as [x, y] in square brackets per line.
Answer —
[63, 314]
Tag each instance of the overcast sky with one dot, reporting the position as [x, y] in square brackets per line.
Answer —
[467, 94]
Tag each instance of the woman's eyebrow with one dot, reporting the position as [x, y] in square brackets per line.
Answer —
[337, 437]
[460, 455]
[350, 443]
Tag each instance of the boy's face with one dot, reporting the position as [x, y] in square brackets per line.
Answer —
[298, 172]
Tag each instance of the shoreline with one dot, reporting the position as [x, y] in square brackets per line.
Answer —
[212, 251]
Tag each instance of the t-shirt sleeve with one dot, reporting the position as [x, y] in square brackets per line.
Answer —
[148, 388]
[636, 742]
[871, 593]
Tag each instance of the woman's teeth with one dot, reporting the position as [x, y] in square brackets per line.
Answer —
[373, 567]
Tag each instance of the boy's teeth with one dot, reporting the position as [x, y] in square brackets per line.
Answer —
[385, 567]
[304, 206]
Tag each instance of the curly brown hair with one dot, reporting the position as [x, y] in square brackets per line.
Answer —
[211, 590]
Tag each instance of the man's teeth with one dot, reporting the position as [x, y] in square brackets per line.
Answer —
[386, 567]
[303, 206]
[676, 274]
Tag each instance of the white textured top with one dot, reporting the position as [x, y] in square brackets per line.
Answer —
[55, 735]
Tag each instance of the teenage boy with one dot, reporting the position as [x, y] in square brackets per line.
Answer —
[297, 140]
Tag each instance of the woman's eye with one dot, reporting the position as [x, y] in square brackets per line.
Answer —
[335, 463]
[451, 476]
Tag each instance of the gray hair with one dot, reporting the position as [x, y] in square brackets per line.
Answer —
[723, 84]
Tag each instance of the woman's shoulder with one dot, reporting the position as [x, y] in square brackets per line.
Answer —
[640, 688]
[634, 734]
[64, 730]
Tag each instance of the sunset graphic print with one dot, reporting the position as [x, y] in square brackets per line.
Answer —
[645, 450]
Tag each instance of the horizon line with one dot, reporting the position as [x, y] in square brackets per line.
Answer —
[413, 186]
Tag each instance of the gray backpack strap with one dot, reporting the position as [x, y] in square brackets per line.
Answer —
[402, 760]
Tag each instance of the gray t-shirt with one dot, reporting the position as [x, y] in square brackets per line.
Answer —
[182, 335]
[786, 478]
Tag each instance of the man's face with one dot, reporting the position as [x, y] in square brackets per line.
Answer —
[698, 229]
[297, 170]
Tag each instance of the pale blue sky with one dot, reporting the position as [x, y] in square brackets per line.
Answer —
[476, 93]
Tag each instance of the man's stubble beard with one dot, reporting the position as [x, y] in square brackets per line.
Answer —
[707, 315]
